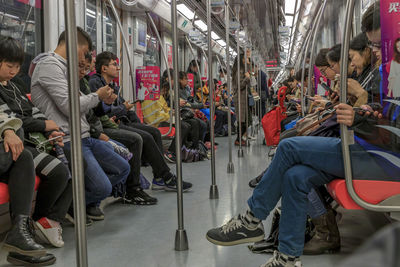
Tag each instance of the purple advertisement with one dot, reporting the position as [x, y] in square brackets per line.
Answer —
[390, 42]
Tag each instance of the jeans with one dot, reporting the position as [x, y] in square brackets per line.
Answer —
[105, 168]
[300, 164]
[316, 206]
[220, 121]
[134, 142]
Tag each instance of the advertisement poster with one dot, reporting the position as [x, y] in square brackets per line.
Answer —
[148, 83]
[190, 77]
[169, 55]
[390, 45]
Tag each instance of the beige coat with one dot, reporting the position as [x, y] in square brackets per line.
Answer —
[243, 96]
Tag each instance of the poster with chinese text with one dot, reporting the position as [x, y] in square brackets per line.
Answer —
[190, 78]
[390, 47]
[148, 83]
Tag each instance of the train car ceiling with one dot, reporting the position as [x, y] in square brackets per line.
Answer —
[259, 20]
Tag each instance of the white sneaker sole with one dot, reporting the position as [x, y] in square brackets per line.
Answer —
[236, 242]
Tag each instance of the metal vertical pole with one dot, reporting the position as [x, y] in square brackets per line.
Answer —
[247, 100]
[231, 166]
[213, 188]
[181, 241]
[314, 43]
[240, 151]
[303, 74]
[130, 62]
[78, 182]
[198, 67]
[153, 25]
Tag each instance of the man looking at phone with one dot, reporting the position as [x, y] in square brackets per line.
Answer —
[107, 69]
[105, 168]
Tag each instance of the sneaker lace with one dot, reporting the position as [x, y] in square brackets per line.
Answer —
[232, 224]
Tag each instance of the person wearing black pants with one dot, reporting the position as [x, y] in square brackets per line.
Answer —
[185, 130]
[194, 131]
[54, 193]
[17, 170]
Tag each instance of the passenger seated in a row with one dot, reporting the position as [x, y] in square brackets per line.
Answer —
[18, 171]
[103, 128]
[127, 120]
[54, 195]
[105, 168]
[297, 168]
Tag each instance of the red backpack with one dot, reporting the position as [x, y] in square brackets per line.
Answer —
[271, 122]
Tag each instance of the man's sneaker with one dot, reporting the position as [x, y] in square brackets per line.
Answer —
[94, 213]
[70, 218]
[139, 197]
[282, 260]
[170, 157]
[157, 184]
[49, 232]
[172, 183]
[235, 232]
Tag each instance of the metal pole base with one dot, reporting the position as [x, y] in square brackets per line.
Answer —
[240, 153]
[231, 167]
[181, 241]
[214, 192]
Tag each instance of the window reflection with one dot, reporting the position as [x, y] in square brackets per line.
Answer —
[23, 21]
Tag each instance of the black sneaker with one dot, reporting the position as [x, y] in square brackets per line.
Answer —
[139, 197]
[255, 181]
[69, 217]
[234, 232]
[172, 183]
[282, 260]
[94, 213]
[170, 157]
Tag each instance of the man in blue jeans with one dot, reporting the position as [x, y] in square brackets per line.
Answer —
[301, 163]
[105, 168]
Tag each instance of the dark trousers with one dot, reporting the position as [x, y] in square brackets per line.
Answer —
[220, 120]
[185, 129]
[244, 129]
[134, 142]
[145, 129]
[54, 195]
[151, 153]
[20, 177]
[195, 131]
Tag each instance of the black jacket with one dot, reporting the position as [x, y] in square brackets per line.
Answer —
[13, 100]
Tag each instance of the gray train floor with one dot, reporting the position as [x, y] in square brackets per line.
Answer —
[144, 235]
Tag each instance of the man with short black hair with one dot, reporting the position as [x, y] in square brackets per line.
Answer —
[107, 69]
[105, 168]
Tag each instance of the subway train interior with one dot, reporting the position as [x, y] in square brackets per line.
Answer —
[200, 133]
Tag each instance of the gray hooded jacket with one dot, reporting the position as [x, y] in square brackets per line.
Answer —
[50, 93]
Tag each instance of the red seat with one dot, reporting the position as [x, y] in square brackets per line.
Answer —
[370, 191]
[4, 196]
[164, 130]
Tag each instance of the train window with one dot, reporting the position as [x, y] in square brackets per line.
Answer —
[153, 54]
[23, 20]
[109, 31]
[91, 21]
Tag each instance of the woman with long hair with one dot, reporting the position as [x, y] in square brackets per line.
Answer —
[394, 74]
[242, 90]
